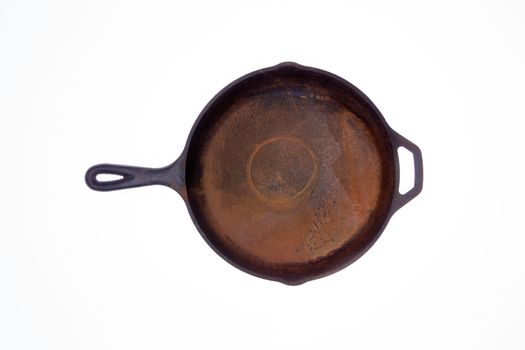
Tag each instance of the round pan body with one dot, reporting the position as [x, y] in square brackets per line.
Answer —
[290, 173]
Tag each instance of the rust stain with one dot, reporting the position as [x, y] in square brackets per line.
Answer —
[288, 179]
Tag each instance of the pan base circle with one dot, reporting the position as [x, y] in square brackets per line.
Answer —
[281, 170]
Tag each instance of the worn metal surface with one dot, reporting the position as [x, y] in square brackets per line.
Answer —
[290, 173]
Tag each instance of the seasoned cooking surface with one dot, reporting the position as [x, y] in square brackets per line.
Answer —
[289, 175]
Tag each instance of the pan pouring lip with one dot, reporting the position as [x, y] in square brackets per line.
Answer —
[281, 170]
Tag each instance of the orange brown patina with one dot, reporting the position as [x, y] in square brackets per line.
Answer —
[289, 180]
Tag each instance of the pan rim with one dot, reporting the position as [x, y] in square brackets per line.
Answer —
[301, 278]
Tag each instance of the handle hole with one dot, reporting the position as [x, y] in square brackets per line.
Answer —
[108, 177]
[406, 170]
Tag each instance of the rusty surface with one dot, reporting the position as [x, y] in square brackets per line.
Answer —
[291, 180]
[288, 178]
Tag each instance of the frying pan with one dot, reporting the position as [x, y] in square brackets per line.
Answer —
[290, 173]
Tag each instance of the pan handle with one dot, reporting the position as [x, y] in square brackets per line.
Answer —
[131, 176]
[401, 199]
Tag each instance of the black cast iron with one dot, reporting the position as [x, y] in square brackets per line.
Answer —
[290, 173]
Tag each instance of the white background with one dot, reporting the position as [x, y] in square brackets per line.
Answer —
[84, 82]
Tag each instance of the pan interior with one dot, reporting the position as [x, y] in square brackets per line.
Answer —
[290, 172]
